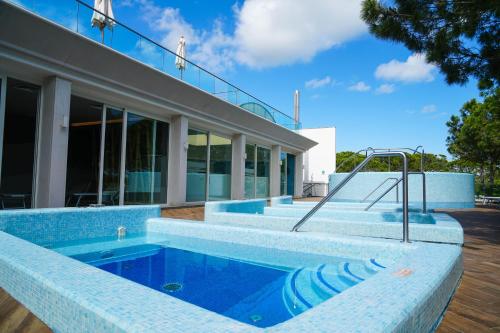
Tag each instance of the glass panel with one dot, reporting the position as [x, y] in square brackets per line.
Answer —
[112, 157]
[283, 174]
[82, 177]
[250, 171]
[145, 166]
[263, 171]
[197, 165]
[18, 158]
[138, 159]
[160, 163]
[220, 168]
[290, 174]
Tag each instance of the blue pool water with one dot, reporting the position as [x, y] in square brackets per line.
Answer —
[258, 294]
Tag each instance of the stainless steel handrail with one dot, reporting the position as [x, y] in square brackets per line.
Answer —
[351, 175]
[424, 199]
[366, 150]
[383, 194]
[376, 188]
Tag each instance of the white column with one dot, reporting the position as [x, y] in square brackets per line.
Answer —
[275, 171]
[299, 174]
[238, 167]
[53, 143]
[177, 161]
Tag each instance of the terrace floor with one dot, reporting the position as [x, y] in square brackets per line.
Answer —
[474, 308]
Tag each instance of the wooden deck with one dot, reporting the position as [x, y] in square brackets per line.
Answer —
[474, 308]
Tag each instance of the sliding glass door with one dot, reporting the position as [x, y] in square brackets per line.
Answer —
[257, 170]
[111, 156]
[290, 174]
[19, 144]
[208, 167]
[84, 145]
[115, 157]
[262, 182]
[146, 160]
[197, 166]
[220, 168]
[250, 171]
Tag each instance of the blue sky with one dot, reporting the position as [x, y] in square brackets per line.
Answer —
[376, 93]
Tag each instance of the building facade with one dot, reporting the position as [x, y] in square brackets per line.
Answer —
[83, 122]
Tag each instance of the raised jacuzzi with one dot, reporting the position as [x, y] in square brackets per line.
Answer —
[73, 271]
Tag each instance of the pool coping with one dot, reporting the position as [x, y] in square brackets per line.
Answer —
[43, 280]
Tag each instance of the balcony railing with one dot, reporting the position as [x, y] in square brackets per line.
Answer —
[77, 17]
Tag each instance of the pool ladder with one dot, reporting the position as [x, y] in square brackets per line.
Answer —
[374, 154]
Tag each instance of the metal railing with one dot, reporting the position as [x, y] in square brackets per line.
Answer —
[404, 179]
[380, 185]
[395, 185]
[76, 15]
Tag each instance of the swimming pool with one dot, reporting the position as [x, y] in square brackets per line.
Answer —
[262, 294]
[61, 265]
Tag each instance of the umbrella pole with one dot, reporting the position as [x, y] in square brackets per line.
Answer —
[102, 35]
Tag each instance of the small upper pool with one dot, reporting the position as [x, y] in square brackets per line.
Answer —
[256, 293]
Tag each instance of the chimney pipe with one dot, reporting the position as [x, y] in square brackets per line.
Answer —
[296, 106]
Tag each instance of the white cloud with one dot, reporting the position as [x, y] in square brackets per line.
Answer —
[318, 83]
[385, 88]
[414, 69]
[431, 108]
[211, 49]
[360, 86]
[267, 33]
[279, 32]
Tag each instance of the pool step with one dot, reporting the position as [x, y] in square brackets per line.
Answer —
[307, 287]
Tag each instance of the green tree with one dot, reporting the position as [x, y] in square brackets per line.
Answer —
[474, 136]
[461, 36]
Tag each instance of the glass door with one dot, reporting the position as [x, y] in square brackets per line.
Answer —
[197, 166]
[19, 143]
[290, 174]
[250, 171]
[220, 168]
[263, 172]
[111, 156]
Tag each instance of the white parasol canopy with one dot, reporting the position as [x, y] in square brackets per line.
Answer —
[99, 20]
[180, 58]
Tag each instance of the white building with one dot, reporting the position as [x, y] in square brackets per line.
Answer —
[319, 161]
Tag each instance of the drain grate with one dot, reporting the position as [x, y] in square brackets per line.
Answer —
[255, 318]
[172, 287]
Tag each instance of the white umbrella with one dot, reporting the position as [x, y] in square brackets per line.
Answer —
[180, 58]
[103, 16]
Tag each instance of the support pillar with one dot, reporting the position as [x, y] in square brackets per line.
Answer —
[53, 135]
[275, 171]
[299, 174]
[238, 167]
[177, 161]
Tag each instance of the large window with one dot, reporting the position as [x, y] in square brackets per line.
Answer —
[19, 143]
[257, 168]
[220, 168]
[208, 167]
[146, 160]
[197, 168]
[107, 168]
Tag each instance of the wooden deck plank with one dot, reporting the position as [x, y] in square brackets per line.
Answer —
[474, 308]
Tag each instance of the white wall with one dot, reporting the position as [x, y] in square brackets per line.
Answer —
[319, 161]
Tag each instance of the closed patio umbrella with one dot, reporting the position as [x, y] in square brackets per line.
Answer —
[180, 58]
[103, 16]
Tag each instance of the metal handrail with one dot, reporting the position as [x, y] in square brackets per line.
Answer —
[383, 194]
[424, 199]
[351, 175]
[366, 150]
[376, 188]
